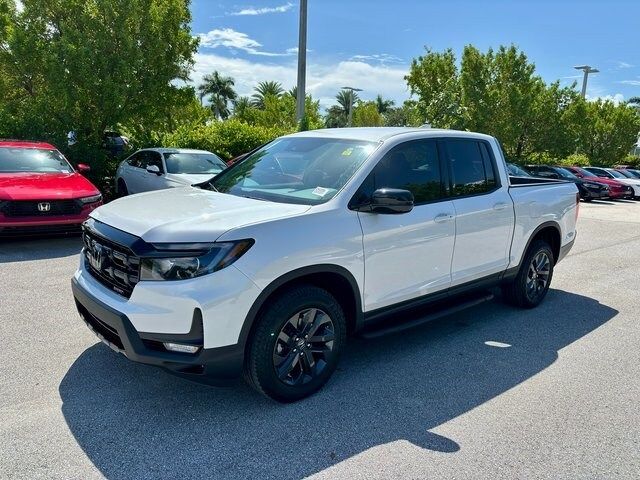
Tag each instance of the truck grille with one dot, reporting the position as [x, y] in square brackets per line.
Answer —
[113, 265]
[41, 208]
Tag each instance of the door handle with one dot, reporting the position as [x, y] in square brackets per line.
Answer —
[443, 217]
[500, 206]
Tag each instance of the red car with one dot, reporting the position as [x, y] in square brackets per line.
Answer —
[40, 192]
[616, 189]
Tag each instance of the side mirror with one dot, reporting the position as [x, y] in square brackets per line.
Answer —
[153, 169]
[389, 200]
[83, 168]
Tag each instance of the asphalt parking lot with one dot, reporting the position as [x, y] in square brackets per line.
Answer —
[553, 394]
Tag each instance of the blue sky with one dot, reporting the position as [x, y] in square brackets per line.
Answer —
[370, 44]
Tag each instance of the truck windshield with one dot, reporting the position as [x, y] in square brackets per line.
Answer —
[302, 170]
[33, 160]
[194, 163]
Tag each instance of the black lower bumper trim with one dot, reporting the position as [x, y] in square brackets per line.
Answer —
[216, 366]
[564, 250]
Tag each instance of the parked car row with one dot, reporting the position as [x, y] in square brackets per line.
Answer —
[593, 182]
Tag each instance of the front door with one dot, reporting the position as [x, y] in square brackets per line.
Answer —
[408, 255]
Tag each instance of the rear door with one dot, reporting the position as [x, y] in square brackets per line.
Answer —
[483, 209]
[407, 255]
[133, 172]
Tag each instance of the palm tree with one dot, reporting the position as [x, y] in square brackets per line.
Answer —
[346, 100]
[263, 89]
[220, 91]
[634, 102]
[241, 106]
[383, 105]
[293, 92]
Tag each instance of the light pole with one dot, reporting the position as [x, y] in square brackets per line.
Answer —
[587, 70]
[302, 62]
[351, 98]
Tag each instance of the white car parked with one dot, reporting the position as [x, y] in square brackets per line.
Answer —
[160, 168]
[268, 266]
[619, 177]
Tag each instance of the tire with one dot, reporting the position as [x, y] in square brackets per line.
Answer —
[275, 364]
[537, 260]
[122, 188]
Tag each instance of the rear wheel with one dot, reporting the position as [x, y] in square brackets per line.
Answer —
[531, 284]
[296, 345]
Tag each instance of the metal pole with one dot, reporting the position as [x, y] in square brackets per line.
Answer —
[585, 77]
[350, 108]
[302, 61]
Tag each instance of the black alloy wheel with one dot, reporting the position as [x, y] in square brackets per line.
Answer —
[304, 346]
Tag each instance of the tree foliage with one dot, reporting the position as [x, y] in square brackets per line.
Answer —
[499, 93]
[88, 65]
[218, 89]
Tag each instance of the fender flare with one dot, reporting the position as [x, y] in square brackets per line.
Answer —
[267, 292]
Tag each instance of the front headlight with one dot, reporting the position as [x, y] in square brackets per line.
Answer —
[189, 262]
[91, 199]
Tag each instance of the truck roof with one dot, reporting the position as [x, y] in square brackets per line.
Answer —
[25, 144]
[380, 134]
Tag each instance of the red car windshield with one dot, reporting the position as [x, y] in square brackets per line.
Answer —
[32, 160]
[583, 172]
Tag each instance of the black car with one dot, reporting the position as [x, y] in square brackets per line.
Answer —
[588, 190]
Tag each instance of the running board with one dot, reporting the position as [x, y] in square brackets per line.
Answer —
[429, 317]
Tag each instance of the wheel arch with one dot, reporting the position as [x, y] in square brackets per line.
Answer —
[335, 279]
[549, 232]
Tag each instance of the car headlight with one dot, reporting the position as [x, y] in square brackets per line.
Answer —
[91, 199]
[181, 262]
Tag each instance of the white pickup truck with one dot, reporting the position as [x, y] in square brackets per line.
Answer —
[267, 267]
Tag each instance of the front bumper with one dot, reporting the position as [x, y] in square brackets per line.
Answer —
[45, 224]
[216, 366]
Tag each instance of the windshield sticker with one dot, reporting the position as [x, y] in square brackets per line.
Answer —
[347, 152]
[320, 191]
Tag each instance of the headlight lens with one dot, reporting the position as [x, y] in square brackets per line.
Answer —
[182, 265]
[91, 199]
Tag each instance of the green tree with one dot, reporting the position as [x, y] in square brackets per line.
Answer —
[435, 80]
[404, 116]
[263, 90]
[219, 90]
[383, 105]
[92, 65]
[365, 114]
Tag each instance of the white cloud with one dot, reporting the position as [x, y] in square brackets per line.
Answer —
[635, 83]
[381, 58]
[617, 98]
[230, 38]
[622, 65]
[324, 80]
[263, 11]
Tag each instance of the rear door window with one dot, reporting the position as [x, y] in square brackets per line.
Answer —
[471, 166]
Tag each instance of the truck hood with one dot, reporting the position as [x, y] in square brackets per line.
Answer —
[44, 186]
[188, 214]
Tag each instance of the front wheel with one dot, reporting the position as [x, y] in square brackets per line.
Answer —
[296, 345]
[531, 284]
[122, 188]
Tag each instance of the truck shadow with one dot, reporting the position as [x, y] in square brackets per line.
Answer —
[39, 248]
[135, 421]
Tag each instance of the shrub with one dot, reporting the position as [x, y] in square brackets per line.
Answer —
[631, 161]
[576, 159]
[227, 139]
[542, 158]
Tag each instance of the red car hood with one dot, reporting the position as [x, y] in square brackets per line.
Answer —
[606, 181]
[44, 186]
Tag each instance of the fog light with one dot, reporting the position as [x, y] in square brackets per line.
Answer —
[179, 347]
